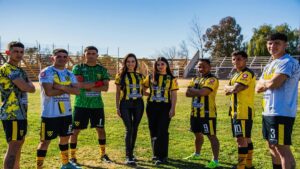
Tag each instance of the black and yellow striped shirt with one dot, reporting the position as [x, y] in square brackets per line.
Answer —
[205, 106]
[131, 85]
[242, 103]
[161, 91]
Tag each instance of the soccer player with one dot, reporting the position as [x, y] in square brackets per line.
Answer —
[57, 84]
[92, 80]
[279, 82]
[203, 90]
[160, 109]
[14, 85]
[129, 102]
[241, 89]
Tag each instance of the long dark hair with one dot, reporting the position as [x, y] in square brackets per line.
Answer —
[124, 68]
[156, 72]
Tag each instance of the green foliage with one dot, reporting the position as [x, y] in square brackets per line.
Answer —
[257, 44]
[222, 39]
[181, 140]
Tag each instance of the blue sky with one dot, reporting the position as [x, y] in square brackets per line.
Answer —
[139, 26]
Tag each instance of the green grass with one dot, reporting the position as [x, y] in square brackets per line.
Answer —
[181, 140]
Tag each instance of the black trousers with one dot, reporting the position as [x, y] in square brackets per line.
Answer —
[159, 121]
[131, 113]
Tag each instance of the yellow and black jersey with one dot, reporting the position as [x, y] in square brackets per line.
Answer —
[205, 106]
[161, 91]
[14, 101]
[242, 103]
[131, 85]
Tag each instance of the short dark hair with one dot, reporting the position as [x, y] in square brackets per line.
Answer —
[277, 36]
[205, 60]
[55, 51]
[240, 52]
[90, 48]
[15, 44]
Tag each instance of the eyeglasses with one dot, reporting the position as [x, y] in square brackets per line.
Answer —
[60, 56]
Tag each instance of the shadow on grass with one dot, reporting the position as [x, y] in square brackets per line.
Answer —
[172, 163]
[175, 163]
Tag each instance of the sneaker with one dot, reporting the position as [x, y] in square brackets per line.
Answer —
[130, 161]
[70, 166]
[161, 161]
[73, 160]
[106, 159]
[212, 164]
[154, 158]
[194, 156]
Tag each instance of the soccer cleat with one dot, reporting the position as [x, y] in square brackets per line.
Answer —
[161, 161]
[106, 159]
[194, 156]
[130, 161]
[212, 164]
[70, 166]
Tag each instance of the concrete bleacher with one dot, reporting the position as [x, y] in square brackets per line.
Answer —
[221, 67]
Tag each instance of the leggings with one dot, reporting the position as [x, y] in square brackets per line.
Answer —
[131, 113]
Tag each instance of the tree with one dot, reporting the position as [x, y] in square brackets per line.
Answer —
[222, 39]
[183, 53]
[257, 44]
[196, 38]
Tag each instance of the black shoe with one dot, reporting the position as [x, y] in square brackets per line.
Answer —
[106, 159]
[161, 161]
[154, 158]
[130, 161]
[250, 167]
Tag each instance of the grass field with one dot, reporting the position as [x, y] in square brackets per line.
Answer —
[181, 140]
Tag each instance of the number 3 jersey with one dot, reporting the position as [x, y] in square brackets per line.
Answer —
[205, 106]
[56, 106]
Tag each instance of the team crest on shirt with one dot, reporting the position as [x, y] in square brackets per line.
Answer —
[99, 76]
[43, 74]
[211, 81]
[49, 133]
[67, 78]
[245, 76]
[77, 123]
[21, 133]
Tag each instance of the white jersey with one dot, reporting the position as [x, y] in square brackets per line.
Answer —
[56, 106]
[282, 101]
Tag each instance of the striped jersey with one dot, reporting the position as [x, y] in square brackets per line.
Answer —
[14, 101]
[56, 106]
[131, 85]
[205, 106]
[161, 91]
[242, 103]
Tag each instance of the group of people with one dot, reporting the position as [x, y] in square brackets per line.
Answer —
[279, 83]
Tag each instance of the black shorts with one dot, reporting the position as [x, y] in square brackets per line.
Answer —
[278, 129]
[14, 129]
[56, 126]
[203, 125]
[82, 116]
[241, 128]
